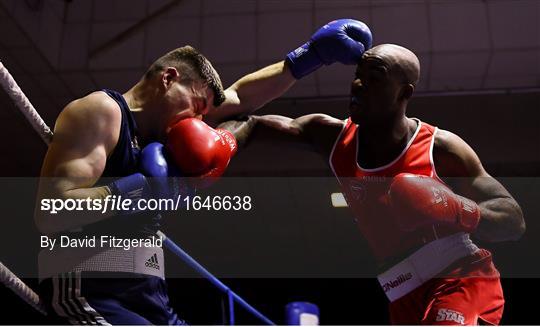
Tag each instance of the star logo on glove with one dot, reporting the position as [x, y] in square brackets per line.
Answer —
[439, 197]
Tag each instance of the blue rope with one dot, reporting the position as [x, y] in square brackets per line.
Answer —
[231, 308]
[169, 244]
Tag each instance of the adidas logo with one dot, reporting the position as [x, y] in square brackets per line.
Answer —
[152, 262]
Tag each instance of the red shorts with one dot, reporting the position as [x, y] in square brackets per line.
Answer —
[475, 295]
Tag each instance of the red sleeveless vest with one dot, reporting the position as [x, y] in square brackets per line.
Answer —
[366, 190]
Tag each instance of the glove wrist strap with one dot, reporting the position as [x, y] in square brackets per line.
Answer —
[229, 139]
[303, 60]
[133, 187]
[469, 216]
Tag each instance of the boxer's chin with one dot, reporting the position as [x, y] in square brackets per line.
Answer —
[356, 120]
[355, 113]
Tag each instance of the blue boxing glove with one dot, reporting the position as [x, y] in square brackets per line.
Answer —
[342, 40]
[159, 178]
[166, 181]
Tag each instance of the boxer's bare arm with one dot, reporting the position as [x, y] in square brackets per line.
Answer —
[459, 166]
[319, 131]
[251, 92]
[85, 133]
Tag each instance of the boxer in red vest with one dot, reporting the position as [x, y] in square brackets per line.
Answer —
[417, 193]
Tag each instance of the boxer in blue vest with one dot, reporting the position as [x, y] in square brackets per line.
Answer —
[111, 144]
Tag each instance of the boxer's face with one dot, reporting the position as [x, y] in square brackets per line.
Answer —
[184, 100]
[374, 90]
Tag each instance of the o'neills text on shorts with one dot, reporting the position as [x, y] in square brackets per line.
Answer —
[103, 241]
[396, 282]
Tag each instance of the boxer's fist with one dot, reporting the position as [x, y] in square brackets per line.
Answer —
[165, 180]
[198, 149]
[153, 161]
[420, 200]
[158, 178]
[342, 40]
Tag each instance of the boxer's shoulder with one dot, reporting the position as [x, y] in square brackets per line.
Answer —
[96, 104]
[96, 108]
[95, 116]
[445, 139]
[452, 156]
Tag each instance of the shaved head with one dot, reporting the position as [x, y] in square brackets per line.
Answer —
[384, 82]
[400, 60]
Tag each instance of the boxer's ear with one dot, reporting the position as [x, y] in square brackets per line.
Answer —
[169, 76]
[407, 91]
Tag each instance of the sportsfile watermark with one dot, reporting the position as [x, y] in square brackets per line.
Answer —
[113, 203]
[296, 227]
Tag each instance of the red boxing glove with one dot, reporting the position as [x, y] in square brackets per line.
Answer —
[420, 200]
[198, 149]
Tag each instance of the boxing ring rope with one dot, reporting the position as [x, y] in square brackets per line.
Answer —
[21, 289]
[216, 282]
[22, 102]
[9, 279]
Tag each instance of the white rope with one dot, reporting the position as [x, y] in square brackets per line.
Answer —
[24, 105]
[8, 278]
[20, 288]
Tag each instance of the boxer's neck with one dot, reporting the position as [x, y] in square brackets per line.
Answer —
[142, 102]
[385, 129]
[378, 145]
